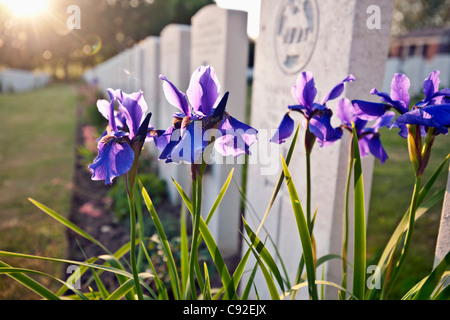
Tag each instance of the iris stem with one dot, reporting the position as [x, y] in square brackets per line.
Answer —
[346, 219]
[409, 232]
[196, 203]
[132, 207]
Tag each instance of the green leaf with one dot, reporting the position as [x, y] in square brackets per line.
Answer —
[207, 288]
[265, 255]
[126, 287]
[210, 244]
[174, 280]
[432, 281]
[11, 270]
[219, 197]
[322, 282]
[159, 285]
[66, 222]
[280, 179]
[31, 284]
[359, 260]
[303, 230]
[184, 248]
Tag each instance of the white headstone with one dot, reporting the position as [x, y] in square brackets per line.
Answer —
[150, 71]
[443, 240]
[331, 39]
[175, 52]
[219, 38]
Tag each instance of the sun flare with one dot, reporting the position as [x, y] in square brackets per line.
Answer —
[26, 8]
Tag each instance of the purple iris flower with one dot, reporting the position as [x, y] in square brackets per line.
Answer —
[316, 115]
[368, 137]
[205, 116]
[433, 111]
[127, 130]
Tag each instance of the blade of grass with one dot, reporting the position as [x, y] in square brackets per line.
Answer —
[264, 253]
[67, 223]
[184, 250]
[432, 281]
[210, 244]
[173, 274]
[280, 179]
[12, 270]
[31, 284]
[162, 291]
[303, 230]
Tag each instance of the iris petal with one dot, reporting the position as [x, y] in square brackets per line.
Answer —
[203, 91]
[305, 89]
[285, 130]
[322, 129]
[114, 158]
[338, 89]
[436, 116]
[174, 96]
[368, 110]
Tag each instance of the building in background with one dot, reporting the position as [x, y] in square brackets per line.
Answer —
[416, 54]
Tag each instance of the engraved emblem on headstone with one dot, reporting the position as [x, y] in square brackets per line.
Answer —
[296, 34]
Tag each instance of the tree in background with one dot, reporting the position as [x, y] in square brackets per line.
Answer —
[419, 14]
[107, 28]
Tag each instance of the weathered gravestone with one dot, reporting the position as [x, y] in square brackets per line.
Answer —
[219, 38]
[331, 39]
[175, 52]
[149, 75]
[443, 240]
[150, 83]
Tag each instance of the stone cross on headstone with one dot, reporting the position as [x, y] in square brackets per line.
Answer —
[219, 38]
[331, 39]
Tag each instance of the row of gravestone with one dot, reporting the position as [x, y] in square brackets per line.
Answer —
[15, 80]
[329, 38]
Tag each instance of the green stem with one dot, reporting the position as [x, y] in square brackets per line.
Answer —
[409, 232]
[196, 203]
[132, 207]
[346, 218]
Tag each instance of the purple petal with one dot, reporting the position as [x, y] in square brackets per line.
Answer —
[203, 90]
[338, 89]
[436, 116]
[368, 110]
[236, 137]
[385, 120]
[344, 111]
[114, 158]
[284, 131]
[133, 108]
[431, 85]
[397, 104]
[174, 96]
[321, 127]
[363, 144]
[399, 89]
[305, 89]
[174, 139]
[191, 146]
[376, 148]
[161, 138]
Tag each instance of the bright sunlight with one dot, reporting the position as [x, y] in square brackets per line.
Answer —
[26, 8]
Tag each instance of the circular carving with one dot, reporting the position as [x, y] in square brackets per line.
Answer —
[296, 34]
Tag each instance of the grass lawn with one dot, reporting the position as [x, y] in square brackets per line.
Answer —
[392, 188]
[36, 160]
